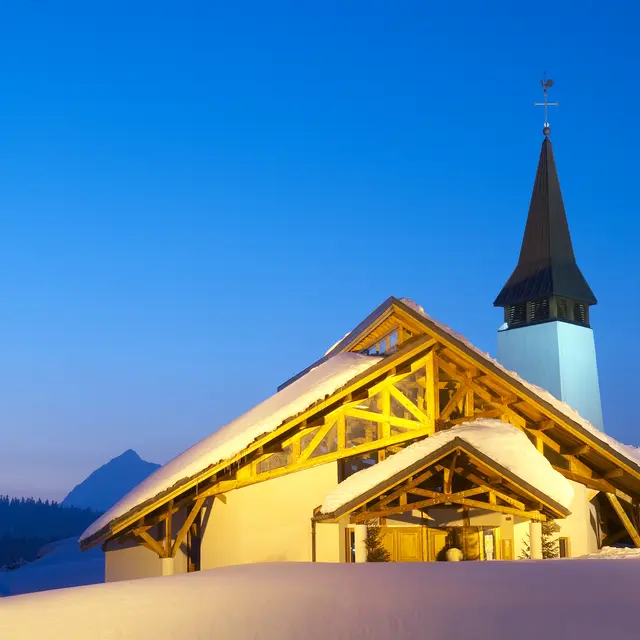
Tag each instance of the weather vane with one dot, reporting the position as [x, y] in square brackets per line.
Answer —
[546, 85]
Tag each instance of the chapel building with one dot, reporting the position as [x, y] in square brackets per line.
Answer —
[406, 423]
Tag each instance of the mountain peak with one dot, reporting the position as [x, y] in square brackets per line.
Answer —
[110, 482]
[128, 454]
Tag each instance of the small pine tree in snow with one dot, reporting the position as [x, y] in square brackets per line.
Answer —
[525, 554]
[550, 547]
[376, 551]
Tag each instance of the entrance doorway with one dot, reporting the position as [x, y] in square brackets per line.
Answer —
[428, 544]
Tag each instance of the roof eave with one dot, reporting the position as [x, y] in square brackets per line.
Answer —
[456, 443]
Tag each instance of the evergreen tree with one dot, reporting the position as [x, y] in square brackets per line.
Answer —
[376, 551]
[26, 524]
[550, 547]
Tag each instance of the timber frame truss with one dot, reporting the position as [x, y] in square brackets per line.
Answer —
[431, 381]
[168, 543]
[455, 474]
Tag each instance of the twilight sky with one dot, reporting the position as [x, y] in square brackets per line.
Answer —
[197, 198]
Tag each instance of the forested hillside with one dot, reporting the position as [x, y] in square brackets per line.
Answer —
[26, 524]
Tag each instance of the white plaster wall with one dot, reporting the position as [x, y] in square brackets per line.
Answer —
[330, 542]
[128, 563]
[579, 371]
[270, 521]
[559, 357]
[532, 352]
[580, 527]
[520, 536]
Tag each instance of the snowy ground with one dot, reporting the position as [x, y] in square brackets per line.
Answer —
[63, 566]
[615, 553]
[440, 601]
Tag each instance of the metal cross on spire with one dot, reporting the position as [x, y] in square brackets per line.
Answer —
[546, 84]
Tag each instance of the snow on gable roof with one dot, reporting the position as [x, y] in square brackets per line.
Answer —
[501, 442]
[628, 451]
[233, 437]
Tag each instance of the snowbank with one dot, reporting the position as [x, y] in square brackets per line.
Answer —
[501, 442]
[232, 438]
[629, 452]
[435, 601]
[64, 565]
[614, 553]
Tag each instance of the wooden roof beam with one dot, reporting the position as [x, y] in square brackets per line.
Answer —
[622, 514]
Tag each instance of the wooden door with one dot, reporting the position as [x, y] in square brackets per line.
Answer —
[388, 540]
[408, 544]
[405, 544]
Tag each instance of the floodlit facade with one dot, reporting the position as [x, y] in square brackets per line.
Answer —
[406, 423]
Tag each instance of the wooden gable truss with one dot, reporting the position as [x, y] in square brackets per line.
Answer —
[457, 473]
[431, 381]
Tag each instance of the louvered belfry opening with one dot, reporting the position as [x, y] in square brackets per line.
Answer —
[547, 284]
[546, 310]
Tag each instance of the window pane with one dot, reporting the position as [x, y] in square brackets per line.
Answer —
[328, 444]
[360, 431]
[411, 388]
[395, 430]
[276, 460]
[373, 404]
[307, 438]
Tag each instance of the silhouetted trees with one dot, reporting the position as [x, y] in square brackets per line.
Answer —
[26, 524]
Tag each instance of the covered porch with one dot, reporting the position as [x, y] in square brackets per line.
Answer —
[455, 495]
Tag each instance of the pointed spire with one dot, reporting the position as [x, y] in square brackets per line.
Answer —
[547, 266]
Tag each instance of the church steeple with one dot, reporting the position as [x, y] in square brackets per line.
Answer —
[547, 283]
[547, 338]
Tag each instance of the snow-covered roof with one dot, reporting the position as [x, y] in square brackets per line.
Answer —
[501, 442]
[316, 382]
[233, 437]
[628, 451]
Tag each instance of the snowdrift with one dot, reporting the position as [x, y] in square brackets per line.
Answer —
[583, 599]
[64, 565]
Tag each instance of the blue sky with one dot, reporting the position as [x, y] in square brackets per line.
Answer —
[198, 198]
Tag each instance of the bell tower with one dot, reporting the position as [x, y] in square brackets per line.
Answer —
[547, 337]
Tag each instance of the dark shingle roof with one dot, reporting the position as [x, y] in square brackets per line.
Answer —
[547, 265]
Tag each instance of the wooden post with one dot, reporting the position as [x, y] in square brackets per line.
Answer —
[432, 389]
